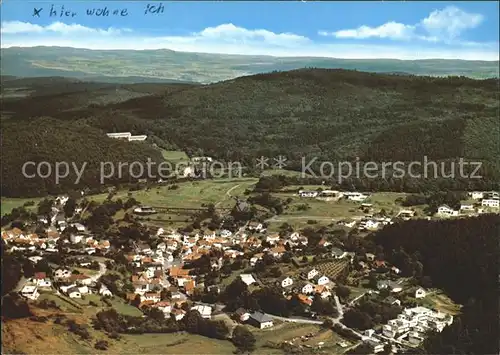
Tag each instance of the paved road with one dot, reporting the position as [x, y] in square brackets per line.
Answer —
[228, 194]
[295, 320]
[102, 271]
[20, 284]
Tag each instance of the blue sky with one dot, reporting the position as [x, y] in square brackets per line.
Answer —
[401, 30]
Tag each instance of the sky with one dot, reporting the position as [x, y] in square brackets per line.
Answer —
[351, 30]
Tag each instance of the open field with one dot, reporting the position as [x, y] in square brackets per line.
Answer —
[174, 156]
[175, 343]
[191, 194]
[8, 204]
[269, 339]
[441, 302]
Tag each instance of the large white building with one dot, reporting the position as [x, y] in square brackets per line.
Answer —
[127, 136]
[494, 203]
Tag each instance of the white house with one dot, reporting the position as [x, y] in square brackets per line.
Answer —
[420, 293]
[323, 280]
[75, 239]
[84, 290]
[476, 195]
[306, 288]
[356, 196]
[178, 314]
[74, 292]
[466, 207]
[311, 273]
[30, 292]
[79, 227]
[104, 291]
[205, 311]
[303, 193]
[255, 226]
[35, 259]
[338, 253]
[260, 320]
[286, 281]
[445, 210]
[247, 279]
[493, 203]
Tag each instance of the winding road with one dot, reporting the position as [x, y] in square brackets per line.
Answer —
[228, 194]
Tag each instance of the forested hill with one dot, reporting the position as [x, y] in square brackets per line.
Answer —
[325, 113]
[460, 256]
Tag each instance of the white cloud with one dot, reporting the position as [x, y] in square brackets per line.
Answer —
[450, 22]
[444, 25]
[392, 30]
[231, 39]
[18, 27]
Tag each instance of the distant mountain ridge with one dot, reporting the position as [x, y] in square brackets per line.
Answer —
[130, 66]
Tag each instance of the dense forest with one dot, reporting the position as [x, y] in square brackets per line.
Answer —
[333, 115]
[52, 141]
[461, 257]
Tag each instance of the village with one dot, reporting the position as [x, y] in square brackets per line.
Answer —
[175, 272]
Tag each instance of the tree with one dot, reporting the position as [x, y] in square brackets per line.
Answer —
[69, 207]
[28, 268]
[192, 321]
[342, 291]
[243, 339]
[101, 345]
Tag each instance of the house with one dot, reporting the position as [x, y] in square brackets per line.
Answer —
[338, 253]
[164, 306]
[104, 291]
[420, 293]
[84, 290]
[260, 320]
[178, 314]
[79, 227]
[375, 344]
[74, 292]
[303, 193]
[75, 239]
[476, 195]
[151, 296]
[466, 207]
[273, 238]
[392, 301]
[241, 314]
[62, 274]
[205, 311]
[493, 203]
[277, 251]
[41, 279]
[305, 288]
[81, 279]
[305, 299]
[35, 259]
[356, 196]
[321, 280]
[256, 258]
[247, 279]
[30, 292]
[390, 285]
[285, 281]
[322, 290]
[311, 273]
[445, 210]
[144, 210]
[255, 226]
